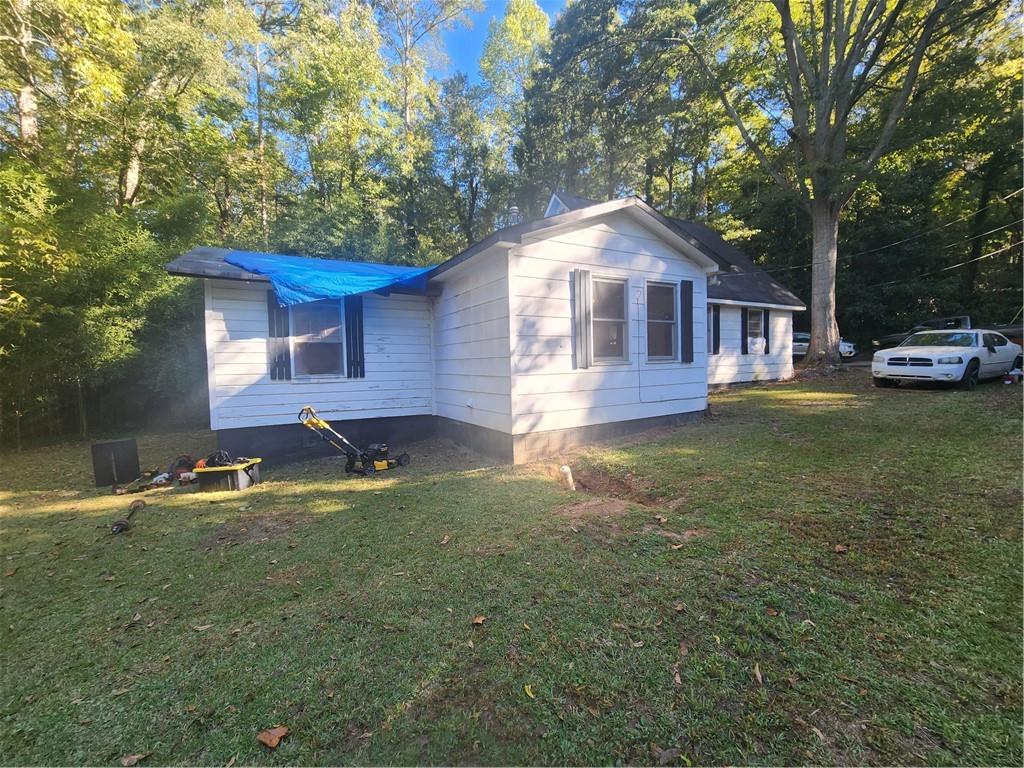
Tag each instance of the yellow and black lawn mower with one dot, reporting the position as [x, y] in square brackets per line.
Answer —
[372, 459]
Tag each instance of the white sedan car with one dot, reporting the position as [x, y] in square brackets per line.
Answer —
[801, 341]
[955, 357]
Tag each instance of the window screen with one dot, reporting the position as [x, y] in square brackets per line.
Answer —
[609, 319]
[317, 348]
[661, 321]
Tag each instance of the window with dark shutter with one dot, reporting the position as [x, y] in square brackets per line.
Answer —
[608, 324]
[317, 346]
[744, 322]
[766, 330]
[661, 321]
[278, 352]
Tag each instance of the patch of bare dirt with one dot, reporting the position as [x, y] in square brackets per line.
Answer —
[253, 529]
[598, 483]
[595, 509]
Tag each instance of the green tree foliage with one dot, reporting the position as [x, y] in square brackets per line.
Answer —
[130, 132]
[628, 99]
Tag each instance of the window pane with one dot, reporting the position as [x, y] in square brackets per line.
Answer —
[609, 300]
[661, 302]
[312, 359]
[754, 323]
[661, 339]
[320, 321]
[609, 339]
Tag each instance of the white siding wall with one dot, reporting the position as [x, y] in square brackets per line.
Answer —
[396, 345]
[730, 366]
[471, 335]
[547, 392]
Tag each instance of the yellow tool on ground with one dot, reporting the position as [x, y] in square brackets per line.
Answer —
[372, 459]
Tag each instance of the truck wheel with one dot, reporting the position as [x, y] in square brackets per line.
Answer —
[970, 378]
[884, 383]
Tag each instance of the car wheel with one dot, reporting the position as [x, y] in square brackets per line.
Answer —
[878, 381]
[970, 378]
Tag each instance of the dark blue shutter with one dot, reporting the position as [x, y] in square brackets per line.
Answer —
[686, 319]
[279, 359]
[744, 314]
[355, 362]
[765, 324]
[716, 328]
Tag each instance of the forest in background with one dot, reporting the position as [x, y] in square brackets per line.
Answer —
[132, 131]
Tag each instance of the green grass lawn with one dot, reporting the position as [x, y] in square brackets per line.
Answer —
[703, 615]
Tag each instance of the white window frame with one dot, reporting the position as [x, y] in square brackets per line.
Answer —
[599, 359]
[341, 343]
[674, 287]
[760, 315]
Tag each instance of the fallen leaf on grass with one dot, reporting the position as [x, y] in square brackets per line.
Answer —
[680, 607]
[446, 539]
[757, 674]
[202, 627]
[683, 648]
[272, 736]
[840, 548]
[676, 678]
[526, 626]
[678, 546]
[11, 572]
[771, 611]
[479, 619]
[661, 519]
[121, 691]
[129, 760]
[230, 762]
[664, 756]
[528, 690]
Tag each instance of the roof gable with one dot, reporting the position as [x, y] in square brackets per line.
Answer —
[739, 279]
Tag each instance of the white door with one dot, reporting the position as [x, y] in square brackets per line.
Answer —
[996, 357]
[1004, 353]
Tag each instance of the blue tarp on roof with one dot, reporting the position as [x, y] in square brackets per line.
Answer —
[298, 279]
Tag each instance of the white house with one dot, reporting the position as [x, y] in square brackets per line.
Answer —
[601, 318]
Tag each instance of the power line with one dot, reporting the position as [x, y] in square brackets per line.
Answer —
[919, 235]
[947, 269]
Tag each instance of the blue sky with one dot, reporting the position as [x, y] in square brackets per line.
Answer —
[464, 45]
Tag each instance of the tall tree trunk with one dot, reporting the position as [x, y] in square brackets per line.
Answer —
[993, 170]
[824, 347]
[131, 175]
[28, 106]
[261, 145]
[83, 425]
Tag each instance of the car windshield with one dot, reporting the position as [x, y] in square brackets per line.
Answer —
[933, 339]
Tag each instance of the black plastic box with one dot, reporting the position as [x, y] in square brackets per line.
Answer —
[115, 461]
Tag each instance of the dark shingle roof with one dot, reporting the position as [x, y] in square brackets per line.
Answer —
[205, 261]
[741, 280]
